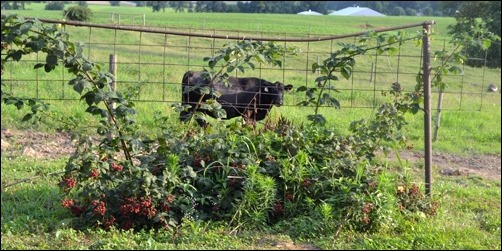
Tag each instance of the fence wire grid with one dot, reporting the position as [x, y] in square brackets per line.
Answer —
[153, 61]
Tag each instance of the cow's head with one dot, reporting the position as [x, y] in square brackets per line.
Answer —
[276, 91]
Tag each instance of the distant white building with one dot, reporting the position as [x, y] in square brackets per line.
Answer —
[309, 12]
[127, 3]
[356, 11]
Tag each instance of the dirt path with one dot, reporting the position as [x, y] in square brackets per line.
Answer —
[51, 146]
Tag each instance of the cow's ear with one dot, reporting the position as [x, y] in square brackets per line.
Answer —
[288, 87]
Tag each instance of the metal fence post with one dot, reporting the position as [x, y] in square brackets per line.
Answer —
[427, 107]
[113, 85]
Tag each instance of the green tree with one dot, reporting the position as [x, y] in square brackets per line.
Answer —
[477, 27]
[319, 6]
[398, 11]
[217, 6]
[200, 6]
[55, 5]
[83, 3]
[140, 3]
[158, 5]
[427, 11]
[449, 8]
[179, 6]
[410, 12]
[14, 5]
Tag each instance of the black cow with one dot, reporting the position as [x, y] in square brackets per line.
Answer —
[250, 98]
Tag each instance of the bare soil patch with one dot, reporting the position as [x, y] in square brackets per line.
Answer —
[58, 145]
[486, 165]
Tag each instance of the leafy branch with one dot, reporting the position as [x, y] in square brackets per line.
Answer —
[22, 37]
[343, 62]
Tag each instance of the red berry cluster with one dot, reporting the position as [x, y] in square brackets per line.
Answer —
[278, 209]
[116, 167]
[94, 173]
[270, 157]
[414, 191]
[367, 208]
[99, 207]
[237, 165]
[76, 210]
[68, 183]
[106, 223]
[289, 196]
[306, 183]
[233, 182]
[170, 198]
[66, 203]
[197, 162]
[138, 206]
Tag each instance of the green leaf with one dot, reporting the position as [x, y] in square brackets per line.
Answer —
[17, 55]
[415, 108]
[230, 68]
[136, 145]
[51, 59]
[99, 96]
[211, 63]
[486, 43]
[455, 70]
[220, 113]
[317, 119]
[335, 103]
[241, 68]
[321, 79]
[96, 111]
[49, 68]
[87, 67]
[36, 45]
[304, 103]
[19, 104]
[78, 87]
[27, 117]
[205, 90]
[38, 65]
[301, 89]
[89, 98]
[346, 72]
[10, 101]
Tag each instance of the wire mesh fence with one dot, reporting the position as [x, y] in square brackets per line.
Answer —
[154, 60]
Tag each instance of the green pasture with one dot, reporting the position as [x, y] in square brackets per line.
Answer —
[469, 216]
[300, 25]
[155, 63]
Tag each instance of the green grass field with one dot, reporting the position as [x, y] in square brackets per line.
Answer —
[156, 62]
[469, 217]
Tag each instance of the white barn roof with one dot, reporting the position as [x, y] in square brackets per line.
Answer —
[356, 11]
[309, 12]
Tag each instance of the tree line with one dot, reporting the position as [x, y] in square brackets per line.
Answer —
[390, 8]
[478, 22]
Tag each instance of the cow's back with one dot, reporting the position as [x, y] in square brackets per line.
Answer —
[248, 97]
